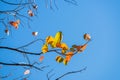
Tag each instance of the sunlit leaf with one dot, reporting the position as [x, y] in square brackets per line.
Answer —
[26, 72]
[45, 48]
[58, 39]
[69, 56]
[59, 59]
[64, 47]
[63, 51]
[65, 62]
[49, 40]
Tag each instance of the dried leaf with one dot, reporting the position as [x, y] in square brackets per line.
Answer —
[72, 49]
[15, 23]
[87, 37]
[30, 13]
[83, 47]
[34, 33]
[26, 72]
[7, 32]
[35, 6]
[78, 48]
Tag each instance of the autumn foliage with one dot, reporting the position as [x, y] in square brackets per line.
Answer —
[56, 43]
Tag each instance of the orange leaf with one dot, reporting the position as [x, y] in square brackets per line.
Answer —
[83, 47]
[69, 56]
[15, 23]
[41, 58]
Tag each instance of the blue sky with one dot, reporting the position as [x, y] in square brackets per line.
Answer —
[99, 18]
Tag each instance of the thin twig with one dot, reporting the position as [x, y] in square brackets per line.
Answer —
[30, 43]
[72, 72]
[31, 53]
[14, 3]
[22, 64]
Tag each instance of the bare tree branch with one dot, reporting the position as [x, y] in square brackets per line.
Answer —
[48, 77]
[72, 2]
[15, 3]
[31, 53]
[26, 45]
[21, 64]
[72, 72]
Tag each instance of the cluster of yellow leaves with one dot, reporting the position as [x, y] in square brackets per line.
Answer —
[55, 42]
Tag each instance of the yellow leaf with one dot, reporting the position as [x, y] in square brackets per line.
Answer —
[45, 48]
[58, 39]
[64, 47]
[63, 51]
[59, 59]
[65, 62]
[49, 40]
